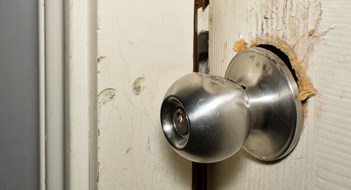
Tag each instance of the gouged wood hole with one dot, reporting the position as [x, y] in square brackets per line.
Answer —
[293, 27]
[306, 88]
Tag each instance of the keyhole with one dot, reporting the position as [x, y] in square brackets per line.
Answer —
[180, 121]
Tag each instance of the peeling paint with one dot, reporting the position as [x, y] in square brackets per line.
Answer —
[139, 85]
[107, 95]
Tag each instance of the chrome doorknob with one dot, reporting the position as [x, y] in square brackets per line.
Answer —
[208, 118]
[205, 118]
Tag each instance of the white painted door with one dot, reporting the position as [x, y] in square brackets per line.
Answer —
[319, 33]
[142, 47]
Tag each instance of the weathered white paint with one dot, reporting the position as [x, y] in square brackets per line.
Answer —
[80, 78]
[319, 32]
[143, 47]
[54, 94]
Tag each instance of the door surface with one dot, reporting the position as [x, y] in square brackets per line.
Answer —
[319, 33]
[143, 46]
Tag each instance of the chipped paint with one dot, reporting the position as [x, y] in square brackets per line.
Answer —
[106, 95]
[100, 58]
[139, 85]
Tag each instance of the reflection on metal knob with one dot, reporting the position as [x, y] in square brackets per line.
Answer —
[208, 118]
[205, 118]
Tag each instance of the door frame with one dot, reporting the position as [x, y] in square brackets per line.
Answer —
[67, 94]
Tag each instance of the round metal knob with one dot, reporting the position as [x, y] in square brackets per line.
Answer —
[208, 118]
[205, 118]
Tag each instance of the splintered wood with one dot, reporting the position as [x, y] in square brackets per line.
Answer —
[240, 45]
[293, 28]
[316, 38]
[306, 88]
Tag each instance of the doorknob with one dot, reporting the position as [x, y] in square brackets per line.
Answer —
[208, 118]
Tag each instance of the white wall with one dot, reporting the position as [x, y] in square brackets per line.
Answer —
[143, 47]
[319, 33]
